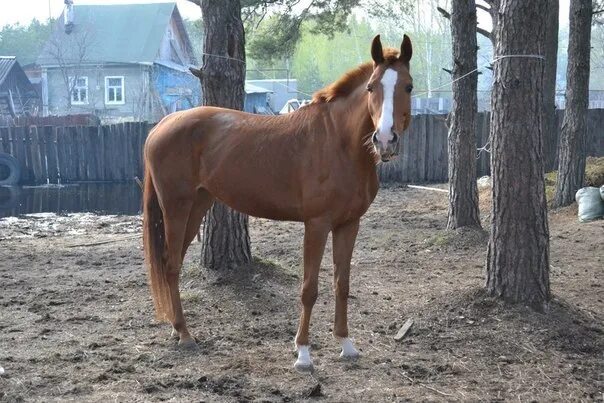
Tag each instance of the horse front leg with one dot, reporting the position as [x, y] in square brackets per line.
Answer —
[315, 236]
[344, 238]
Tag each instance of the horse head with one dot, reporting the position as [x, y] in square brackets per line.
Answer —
[389, 96]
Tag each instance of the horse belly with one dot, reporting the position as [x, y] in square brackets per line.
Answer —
[265, 198]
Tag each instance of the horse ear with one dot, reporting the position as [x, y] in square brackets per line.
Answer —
[377, 53]
[406, 50]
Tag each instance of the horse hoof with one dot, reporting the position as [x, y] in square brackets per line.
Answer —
[304, 367]
[188, 344]
[348, 350]
[349, 355]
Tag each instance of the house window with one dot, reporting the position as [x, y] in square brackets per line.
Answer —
[79, 90]
[114, 90]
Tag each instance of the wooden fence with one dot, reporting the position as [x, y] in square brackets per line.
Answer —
[77, 153]
[114, 152]
[423, 153]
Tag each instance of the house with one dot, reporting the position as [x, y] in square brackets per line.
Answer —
[119, 62]
[18, 96]
[257, 99]
[280, 91]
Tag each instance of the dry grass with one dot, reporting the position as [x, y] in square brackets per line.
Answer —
[594, 171]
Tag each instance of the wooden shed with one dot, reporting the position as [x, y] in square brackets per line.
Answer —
[18, 96]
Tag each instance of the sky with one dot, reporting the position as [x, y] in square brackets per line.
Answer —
[23, 11]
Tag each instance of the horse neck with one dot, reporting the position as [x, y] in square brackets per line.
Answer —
[352, 115]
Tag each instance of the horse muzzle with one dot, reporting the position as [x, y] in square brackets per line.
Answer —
[387, 150]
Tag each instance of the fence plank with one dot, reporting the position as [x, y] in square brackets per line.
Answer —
[61, 155]
[99, 151]
[29, 155]
[122, 151]
[91, 147]
[3, 148]
[16, 136]
[50, 136]
[80, 140]
[116, 162]
[129, 148]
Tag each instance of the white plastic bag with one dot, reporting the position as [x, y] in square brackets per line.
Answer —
[591, 205]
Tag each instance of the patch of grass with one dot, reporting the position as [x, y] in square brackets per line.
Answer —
[190, 296]
[594, 176]
[191, 271]
[441, 239]
[266, 263]
[271, 267]
[550, 185]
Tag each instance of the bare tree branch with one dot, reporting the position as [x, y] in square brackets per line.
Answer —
[444, 12]
[484, 32]
[480, 6]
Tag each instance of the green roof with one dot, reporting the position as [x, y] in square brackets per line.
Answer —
[116, 33]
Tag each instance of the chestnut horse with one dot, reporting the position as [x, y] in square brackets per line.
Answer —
[316, 165]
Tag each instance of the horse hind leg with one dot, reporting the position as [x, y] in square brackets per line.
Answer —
[202, 204]
[176, 215]
[344, 238]
[204, 200]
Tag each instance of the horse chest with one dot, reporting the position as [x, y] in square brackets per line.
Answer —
[357, 198]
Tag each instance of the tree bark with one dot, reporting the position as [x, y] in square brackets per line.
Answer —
[550, 123]
[463, 193]
[226, 241]
[571, 149]
[517, 263]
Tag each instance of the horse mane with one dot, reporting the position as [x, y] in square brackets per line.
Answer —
[352, 79]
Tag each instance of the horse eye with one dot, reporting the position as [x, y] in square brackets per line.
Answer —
[409, 88]
[369, 88]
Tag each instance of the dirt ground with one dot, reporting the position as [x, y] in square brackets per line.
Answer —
[76, 319]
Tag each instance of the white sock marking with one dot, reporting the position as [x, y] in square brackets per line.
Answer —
[303, 357]
[348, 349]
[386, 121]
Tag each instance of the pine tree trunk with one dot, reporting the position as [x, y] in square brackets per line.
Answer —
[463, 194]
[550, 122]
[226, 241]
[518, 253]
[571, 150]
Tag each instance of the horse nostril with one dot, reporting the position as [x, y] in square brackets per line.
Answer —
[374, 138]
[394, 137]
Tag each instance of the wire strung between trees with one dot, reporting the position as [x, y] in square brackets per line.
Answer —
[495, 59]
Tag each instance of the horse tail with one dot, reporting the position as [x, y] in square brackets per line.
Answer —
[154, 241]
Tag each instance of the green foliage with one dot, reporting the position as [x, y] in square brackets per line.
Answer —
[24, 41]
[195, 31]
[278, 38]
[275, 38]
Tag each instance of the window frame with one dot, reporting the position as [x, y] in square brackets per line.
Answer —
[74, 87]
[107, 87]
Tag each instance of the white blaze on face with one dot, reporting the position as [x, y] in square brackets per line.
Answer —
[387, 119]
